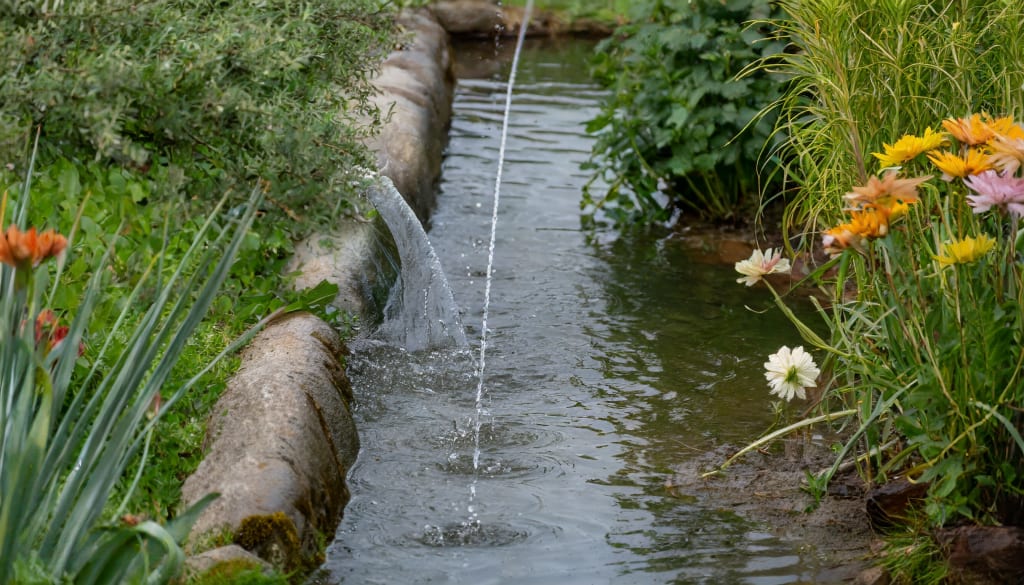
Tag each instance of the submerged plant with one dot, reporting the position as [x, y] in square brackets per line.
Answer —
[67, 436]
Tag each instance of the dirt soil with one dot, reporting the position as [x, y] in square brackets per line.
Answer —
[766, 488]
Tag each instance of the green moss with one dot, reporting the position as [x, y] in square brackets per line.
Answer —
[272, 537]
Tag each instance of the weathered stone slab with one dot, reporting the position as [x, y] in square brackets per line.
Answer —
[995, 553]
[416, 85]
[281, 437]
[344, 258]
[469, 16]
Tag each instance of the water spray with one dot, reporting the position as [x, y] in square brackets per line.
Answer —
[490, 248]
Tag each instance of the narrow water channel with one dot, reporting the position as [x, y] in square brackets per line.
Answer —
[610, 360]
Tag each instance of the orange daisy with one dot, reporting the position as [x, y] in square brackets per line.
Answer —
[886, 191]
[27, 249]
[972, 130]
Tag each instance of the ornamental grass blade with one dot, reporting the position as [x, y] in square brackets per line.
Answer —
[62, 453]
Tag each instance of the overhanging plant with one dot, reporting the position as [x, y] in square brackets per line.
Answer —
[683, 128]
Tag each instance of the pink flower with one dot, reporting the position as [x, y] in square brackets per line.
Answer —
[992, 189]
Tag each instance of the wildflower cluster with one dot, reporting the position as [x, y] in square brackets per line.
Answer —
[928, 357]
[937, 351]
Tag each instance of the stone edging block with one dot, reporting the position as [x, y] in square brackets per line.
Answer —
[281, 438]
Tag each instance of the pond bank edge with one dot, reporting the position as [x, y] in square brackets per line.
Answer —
[281, 439]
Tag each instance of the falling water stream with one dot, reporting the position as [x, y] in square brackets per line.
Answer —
[612, 359]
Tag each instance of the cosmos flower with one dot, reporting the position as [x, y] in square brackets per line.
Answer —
[790, 371]
[953, 165]
[991, 189]
[27, 249]
[886, 191]
[909, 147]
[966, 250]
[760, 264]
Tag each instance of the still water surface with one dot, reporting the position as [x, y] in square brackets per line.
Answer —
[610, 360]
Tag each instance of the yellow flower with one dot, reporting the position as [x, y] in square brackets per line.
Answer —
[1005, 127]
[909, 147]
[966, 250]
[954, 165]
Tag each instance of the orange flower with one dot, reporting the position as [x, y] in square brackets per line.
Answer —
[840, 238]
[954, 165]
[49, 334]
[24, 250]
[1005, 127]
[886, 191]
[971, 131]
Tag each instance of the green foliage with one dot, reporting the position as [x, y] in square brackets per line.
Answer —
[70, 435]
[912, 557]
[864, 72]
[682, 128]
[218, 93]
[116, 210]
[238, 573]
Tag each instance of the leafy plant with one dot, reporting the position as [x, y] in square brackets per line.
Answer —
[681, 129]
[216, 93]
[67, 441]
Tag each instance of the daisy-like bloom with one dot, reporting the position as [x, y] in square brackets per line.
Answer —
[839, 238]
[886, 191]
[953, 165]
[27, 249]
[1007, 152]
[991, 189]
[909, 147]
[966, 250]
[790, 371]
[973, 130]
[1006, 128]
[761, 263]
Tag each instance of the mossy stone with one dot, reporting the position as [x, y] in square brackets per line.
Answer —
[272, 537]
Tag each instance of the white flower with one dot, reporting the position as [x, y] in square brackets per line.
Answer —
[790, 371]
[761, 263]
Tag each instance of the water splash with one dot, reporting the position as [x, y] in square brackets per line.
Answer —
[420, 312]
[494, 231]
